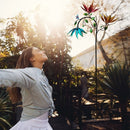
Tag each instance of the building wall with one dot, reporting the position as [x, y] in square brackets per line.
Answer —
[112, 46]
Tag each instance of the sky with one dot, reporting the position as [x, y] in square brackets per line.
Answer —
[10, 8]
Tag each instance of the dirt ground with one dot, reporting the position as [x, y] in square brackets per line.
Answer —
[104, 125]
[59, 123]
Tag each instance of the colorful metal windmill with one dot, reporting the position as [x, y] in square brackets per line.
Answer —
[79, 31]
[89, 18]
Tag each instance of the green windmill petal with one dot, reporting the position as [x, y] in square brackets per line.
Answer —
[91, 30]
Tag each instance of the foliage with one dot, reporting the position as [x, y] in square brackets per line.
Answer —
[116, 81]
[14, 35]
[19, 33]
[8, 62]
[5, 110]
[25, 34]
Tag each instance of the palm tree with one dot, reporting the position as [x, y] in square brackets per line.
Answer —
[117, 82]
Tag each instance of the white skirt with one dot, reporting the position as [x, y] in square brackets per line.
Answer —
[39, 123]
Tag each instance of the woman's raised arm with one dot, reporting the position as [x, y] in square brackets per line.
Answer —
[15, 78]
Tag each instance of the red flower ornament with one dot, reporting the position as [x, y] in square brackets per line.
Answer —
[89, 9]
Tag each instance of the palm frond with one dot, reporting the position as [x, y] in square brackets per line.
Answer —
[5, 109]
[2, 120]
[116, 80]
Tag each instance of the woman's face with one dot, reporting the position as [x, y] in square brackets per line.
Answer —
[39, 56]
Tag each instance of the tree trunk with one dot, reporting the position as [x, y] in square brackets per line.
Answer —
[106, 58]
[124, 53]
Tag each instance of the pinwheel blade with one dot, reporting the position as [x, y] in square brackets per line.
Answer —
[76, 33]
[80, 32]
[71, 31]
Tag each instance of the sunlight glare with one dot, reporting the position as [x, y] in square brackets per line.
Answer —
[53, 11]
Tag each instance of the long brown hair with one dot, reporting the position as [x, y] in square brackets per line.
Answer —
[23, 62]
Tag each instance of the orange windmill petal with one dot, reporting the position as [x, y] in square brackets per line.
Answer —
[102, 18]
[113, 19]
[105, 18]
[109, 19]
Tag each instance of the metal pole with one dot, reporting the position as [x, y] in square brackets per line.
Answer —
[96, 63]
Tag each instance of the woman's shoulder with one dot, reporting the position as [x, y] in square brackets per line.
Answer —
[31, 70]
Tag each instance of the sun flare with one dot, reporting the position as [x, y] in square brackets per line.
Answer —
[53, 11]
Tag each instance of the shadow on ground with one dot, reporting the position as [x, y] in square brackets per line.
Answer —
[59, 123]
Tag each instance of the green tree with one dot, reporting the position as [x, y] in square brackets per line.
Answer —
[16, 35]
[24, 34]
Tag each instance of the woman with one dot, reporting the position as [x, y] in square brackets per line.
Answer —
[36, 93]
